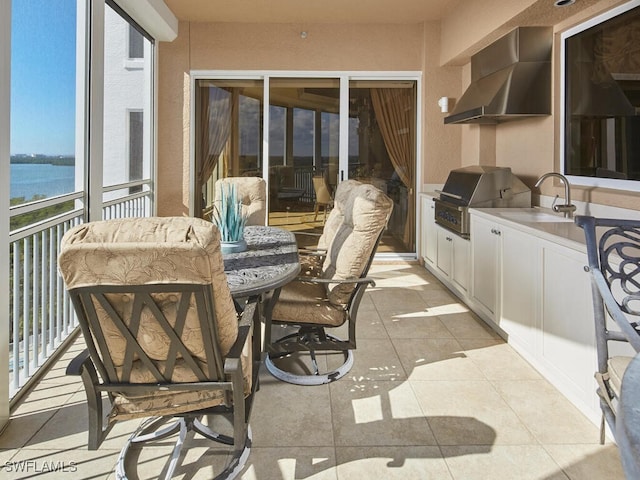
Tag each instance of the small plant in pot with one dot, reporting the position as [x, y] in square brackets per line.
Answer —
[228, 217]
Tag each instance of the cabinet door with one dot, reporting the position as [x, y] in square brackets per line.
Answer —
[444, 251]
[568, 338]
[429, 233]
[460, 263]
[520, 290]
[484, 255]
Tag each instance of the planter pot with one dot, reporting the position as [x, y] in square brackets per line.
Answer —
[233, 247]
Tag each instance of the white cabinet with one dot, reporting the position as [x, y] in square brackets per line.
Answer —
[445, 253]
[539, 296]
[505, 279]
[460, 264]
[485, 253]
[520, 290]
[429, 239]
[567, 348]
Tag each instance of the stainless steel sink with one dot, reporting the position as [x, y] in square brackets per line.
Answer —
[533, 215]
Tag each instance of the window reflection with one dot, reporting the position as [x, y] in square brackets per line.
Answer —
[602, 70]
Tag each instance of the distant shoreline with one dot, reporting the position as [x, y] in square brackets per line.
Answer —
[57, 160]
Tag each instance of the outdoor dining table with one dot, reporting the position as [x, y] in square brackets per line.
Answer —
[269, 262]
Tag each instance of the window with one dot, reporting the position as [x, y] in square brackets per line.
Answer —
[136, 43]
[136, 149]
[601, 130]
[43, 99]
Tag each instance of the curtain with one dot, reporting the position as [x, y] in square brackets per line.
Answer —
[395, 113]
[215, 128]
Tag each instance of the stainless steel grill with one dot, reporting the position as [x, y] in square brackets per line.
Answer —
[481, 187]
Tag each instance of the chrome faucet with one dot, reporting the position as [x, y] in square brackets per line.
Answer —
[567, 208]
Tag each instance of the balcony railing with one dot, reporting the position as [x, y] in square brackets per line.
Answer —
[41, 315]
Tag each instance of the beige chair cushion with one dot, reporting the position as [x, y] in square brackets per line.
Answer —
[360, 214]
[252, 192]
[617, 367]
[336, 216]
[306, 302]
[366, 214]
[146, 251]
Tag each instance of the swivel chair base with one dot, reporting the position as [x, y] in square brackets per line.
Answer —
[315, 378]
[152, 430]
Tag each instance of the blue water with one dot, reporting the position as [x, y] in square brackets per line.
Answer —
[45, 179]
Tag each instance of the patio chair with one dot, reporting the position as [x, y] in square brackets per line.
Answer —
[329, 292]
[165, 340]
[613, 251]
[252, 192]
[322, 196]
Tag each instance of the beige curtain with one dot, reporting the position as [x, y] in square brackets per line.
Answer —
[215, 128]
[395, 113]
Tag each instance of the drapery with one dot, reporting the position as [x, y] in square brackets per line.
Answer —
[395, 113]
[215, 128]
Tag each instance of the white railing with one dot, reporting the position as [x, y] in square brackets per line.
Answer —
[42, 317]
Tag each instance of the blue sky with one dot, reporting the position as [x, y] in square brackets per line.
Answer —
[43, 76]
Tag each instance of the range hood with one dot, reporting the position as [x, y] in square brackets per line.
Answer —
[510, 79]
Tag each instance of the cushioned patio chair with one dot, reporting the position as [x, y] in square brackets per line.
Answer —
[252, 192]
[613, 250]
[329, 292]
[322, 196]
[164, 338]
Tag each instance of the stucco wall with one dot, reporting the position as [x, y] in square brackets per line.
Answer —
[237, 47]
[529, 146]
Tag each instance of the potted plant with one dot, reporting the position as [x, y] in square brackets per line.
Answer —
[228, 217]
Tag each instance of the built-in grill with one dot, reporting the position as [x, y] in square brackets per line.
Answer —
[477, 186]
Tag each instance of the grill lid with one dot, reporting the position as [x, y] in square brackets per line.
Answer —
[476, 184]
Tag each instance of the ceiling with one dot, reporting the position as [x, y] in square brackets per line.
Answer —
[312, 11]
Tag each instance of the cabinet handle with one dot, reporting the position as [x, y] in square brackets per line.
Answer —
[495, 231]
[449, 239]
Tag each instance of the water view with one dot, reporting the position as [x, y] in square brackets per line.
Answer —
[29, 180]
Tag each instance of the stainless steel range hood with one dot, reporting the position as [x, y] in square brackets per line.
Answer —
[510, 79]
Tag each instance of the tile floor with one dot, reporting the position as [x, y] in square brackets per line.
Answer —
[433, 394]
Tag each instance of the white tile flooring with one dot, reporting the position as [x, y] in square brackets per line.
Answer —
[433, 394]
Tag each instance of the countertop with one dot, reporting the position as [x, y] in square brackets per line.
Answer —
[538, 221]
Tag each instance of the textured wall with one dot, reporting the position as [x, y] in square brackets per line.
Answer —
[439, 50]
[260, 47]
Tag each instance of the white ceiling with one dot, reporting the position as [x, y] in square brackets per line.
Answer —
[312, 11]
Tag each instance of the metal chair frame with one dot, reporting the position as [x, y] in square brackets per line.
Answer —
[98, 373]
[313, 337]
[614, 265]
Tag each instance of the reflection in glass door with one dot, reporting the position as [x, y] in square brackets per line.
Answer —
[382, 151]
[228, 135]
[304, 131]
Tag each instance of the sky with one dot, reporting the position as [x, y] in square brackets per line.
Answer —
[43, 76]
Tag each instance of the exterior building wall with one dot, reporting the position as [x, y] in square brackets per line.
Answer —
[124, 91]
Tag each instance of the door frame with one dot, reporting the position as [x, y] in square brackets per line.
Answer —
[344, 77]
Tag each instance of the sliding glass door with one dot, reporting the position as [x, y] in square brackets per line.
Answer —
[382, 150]
[304, 136]
[315, 133]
